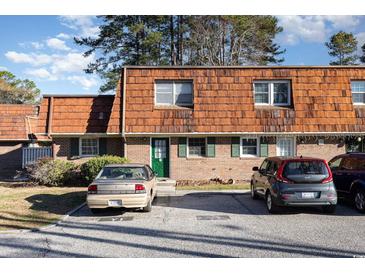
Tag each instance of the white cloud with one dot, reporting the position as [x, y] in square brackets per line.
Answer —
[313, 28]
[83, 24]
[3, 68]
[58, 44]
[71, 62]
[85, 82]
[32, 58]
[41, 73]
[63, 36]
[37, 45]
[360, 42]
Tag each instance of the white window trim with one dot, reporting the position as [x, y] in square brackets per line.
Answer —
[188, 148]
[257, 148]
[271, 91]
[174, 92]
[358, 92]
[88, 155]
[294, 149]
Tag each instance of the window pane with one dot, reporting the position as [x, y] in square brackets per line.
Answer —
[164, 98]
[358, 86]
[183, 93]
[196, 146]
[89, 146]
[281, 93]
[249, 146]
[358, 97]
[285, 147]
[164, 92]
[261, 93]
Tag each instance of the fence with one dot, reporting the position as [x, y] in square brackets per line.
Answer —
[32, 154]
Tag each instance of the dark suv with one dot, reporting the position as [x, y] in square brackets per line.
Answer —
[294, 181]
[349, 177]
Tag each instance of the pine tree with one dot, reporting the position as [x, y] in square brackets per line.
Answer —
[343, 46]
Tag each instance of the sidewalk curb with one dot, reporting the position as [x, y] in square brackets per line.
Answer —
[62, 219]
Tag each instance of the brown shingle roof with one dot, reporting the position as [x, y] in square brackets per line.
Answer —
[224, 102]
[15, 121]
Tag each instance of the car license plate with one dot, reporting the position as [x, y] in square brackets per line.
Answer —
[114, 203]
[308, 195]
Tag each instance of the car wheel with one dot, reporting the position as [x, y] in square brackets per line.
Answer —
[270, 205]
[96, 210]
[359, 200]
[253, 192]
[148, 207]
[329, 209]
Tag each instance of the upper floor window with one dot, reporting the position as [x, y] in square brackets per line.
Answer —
[358, 92]
[179, 93]
[276, 93]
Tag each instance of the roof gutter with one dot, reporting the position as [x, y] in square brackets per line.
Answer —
[145, 134]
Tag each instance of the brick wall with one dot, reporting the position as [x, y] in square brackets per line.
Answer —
[223, 165]
[138, 150]
[62, 148]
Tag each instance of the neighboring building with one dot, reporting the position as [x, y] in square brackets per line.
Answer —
[208, 122]
[80, 127]
[211, 122]
[16, 124]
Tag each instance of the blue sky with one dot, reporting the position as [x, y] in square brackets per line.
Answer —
[41, 48]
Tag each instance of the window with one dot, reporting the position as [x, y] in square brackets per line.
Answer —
[89, 146]
[272, 168]
[275, 93]
[285, 147]
[249, 147]
[178, 93]
[335, 163]
[358, 92]
[197, 147]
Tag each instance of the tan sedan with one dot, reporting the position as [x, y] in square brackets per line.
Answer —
[122, 185]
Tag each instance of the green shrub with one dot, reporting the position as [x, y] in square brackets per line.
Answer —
[91, 168]
[51, 172]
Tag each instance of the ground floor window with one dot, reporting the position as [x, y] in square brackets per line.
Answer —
[197, 147]
[285, 146]
[89, 146]
[249, 147]
[355, 145]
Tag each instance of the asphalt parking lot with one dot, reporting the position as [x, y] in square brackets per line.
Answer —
[197, 224]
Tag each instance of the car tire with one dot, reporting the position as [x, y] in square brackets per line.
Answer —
[329, 209]
[254, 195]
[95, 210]
[270, 204]
[359, 200]
[148, 207]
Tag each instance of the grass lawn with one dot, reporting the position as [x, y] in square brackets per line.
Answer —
[244, 186]
[30, 207]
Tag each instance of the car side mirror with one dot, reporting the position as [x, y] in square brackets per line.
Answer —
[255, 168]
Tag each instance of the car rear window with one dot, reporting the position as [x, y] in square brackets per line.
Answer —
[305, 168]
[123, 173]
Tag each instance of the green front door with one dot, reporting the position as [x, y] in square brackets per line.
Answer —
[160, 156]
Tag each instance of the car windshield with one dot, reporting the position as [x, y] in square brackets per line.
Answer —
[123, 173]
[305, 168]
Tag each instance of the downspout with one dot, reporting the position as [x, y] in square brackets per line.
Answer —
[124, 85]
[49, 125]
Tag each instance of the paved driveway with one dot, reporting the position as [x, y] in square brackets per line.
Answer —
[197, 224]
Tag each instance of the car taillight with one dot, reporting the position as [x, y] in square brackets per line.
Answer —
[139, 188]
[280, 177]
[327, 180]
[92, 189]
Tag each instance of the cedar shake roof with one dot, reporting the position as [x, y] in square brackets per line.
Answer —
[16, 121]
[75, 114]
[224, 102]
